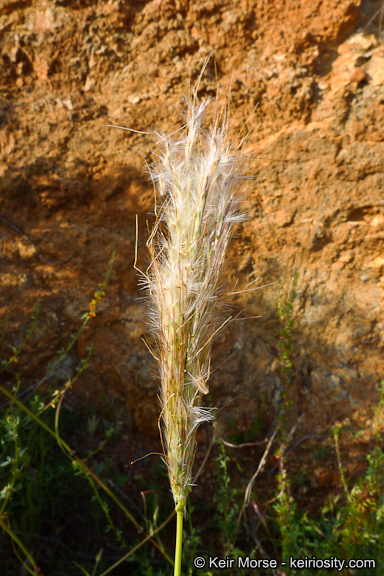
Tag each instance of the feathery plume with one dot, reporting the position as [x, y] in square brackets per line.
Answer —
[197, 178]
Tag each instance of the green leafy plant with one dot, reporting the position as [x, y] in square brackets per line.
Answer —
[285, 506]
[285, 313]
[227, 508]
[345, 528]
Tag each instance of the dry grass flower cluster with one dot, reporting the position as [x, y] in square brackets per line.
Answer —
[197, 179]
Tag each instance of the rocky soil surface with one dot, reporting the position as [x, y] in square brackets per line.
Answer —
[305, 80]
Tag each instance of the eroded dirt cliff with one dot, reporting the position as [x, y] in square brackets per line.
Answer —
[306, 81]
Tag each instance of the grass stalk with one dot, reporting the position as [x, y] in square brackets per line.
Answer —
[179, 541]
[197, 179]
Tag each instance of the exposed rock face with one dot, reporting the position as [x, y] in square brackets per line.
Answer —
[307, 79]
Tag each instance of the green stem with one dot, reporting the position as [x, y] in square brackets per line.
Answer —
[34, 570]
[179, 540]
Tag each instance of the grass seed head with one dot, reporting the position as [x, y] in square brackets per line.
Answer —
[197, 178]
